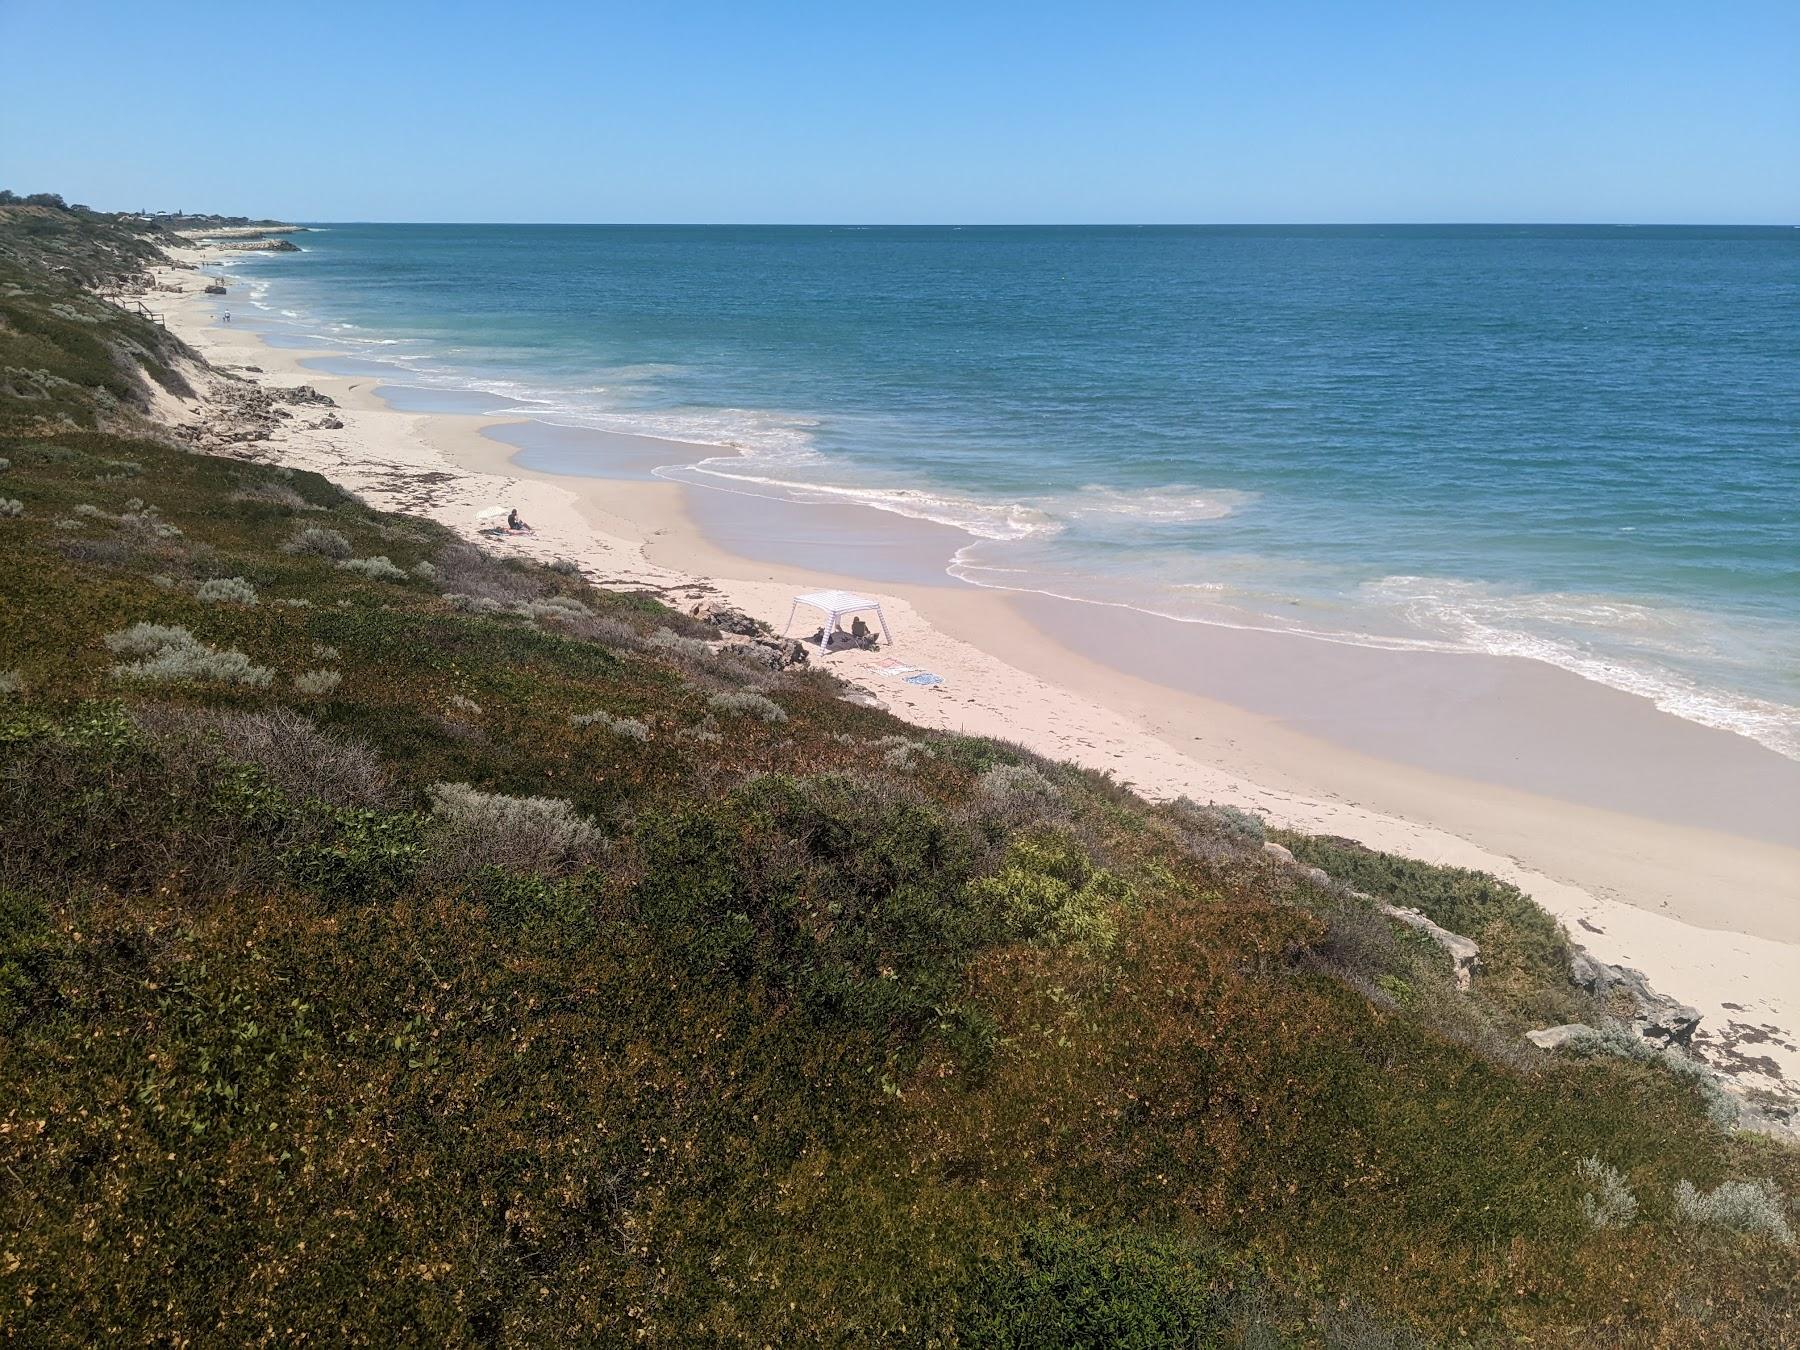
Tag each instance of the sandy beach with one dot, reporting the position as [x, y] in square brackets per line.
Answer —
[1661, 844]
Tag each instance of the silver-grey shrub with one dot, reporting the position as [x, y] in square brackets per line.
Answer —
[317, 681]
[900, 752]
[144, 639]
[424, 571]
[1017, 794]
[1219, 818]
[1754, 1207]
[273, 494]
[378, 568]
[147, 520]
[226, 591]
[303, 761]
[629, 727]
[1610, 1203]
[666, 640]
[474, 604]
[319, 542]
[554, 607]
[11, 507]
[12, 684]
[174, 655]
[746, 703]
[471, 830]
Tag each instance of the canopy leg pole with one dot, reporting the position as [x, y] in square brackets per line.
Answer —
[792, 610]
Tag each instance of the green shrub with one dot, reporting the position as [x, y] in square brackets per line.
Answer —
[1524, 952]
[1048, 891]
[360, 855]
[1620, 1042]
[1069, 1285]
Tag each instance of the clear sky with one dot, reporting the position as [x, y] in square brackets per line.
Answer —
[851, 111]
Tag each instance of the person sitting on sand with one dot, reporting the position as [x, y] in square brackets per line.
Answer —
[516, 523]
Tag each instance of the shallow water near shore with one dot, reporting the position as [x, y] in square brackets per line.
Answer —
[1575, 446]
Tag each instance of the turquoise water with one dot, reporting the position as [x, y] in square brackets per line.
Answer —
[1580, 445]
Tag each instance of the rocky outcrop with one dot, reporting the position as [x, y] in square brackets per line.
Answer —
[1655, 1017]
[776, 653]
[1555, 1038]
[728, 619]
[238, 411]
[303, 393]
[1464, 953]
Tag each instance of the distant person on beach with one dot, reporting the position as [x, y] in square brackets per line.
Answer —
[516, 523]
[227, 316]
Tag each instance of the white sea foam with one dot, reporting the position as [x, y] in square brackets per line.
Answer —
[983, 519]
[1623, 644]
[1173, 505]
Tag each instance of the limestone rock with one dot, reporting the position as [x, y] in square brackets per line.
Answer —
[776, 653]
[1554, 1038]
[1277, 852]
[1656, 1017]
[1465, 953]
[728, 619]
[303, 393]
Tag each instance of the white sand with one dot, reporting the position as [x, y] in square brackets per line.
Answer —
[1708, 916]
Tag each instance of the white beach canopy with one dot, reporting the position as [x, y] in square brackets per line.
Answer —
[836, 605]
[492, 512]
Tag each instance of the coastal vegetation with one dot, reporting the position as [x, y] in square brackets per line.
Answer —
[400, 944]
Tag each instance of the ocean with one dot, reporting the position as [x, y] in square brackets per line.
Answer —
[1579, 445]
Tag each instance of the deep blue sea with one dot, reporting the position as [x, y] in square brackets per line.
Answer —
[1577, 444]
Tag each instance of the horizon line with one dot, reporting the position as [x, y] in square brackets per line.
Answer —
[1076, 225]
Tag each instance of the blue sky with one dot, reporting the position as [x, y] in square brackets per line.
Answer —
[1638, 111]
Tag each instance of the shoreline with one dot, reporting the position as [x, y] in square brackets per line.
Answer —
[1710, 915]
